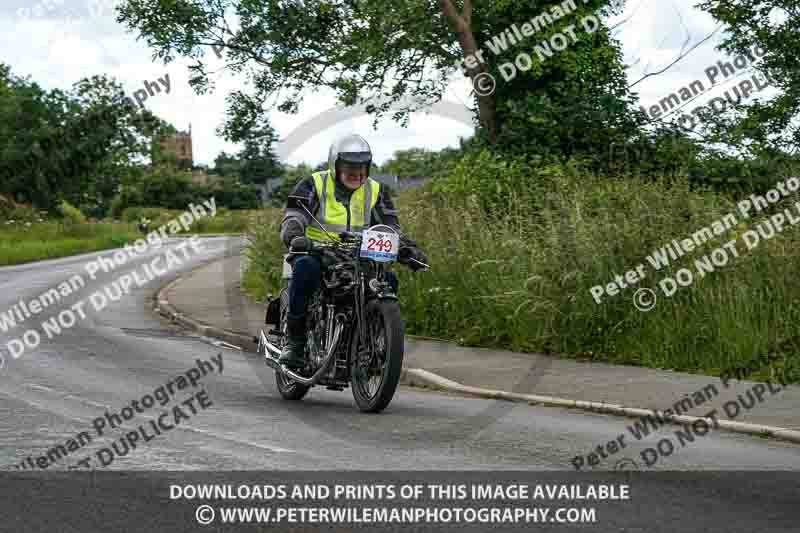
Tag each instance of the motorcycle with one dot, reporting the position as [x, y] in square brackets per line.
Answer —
[355, 331]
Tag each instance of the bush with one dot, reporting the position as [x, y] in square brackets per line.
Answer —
[491, 179]
[71, 213]
[264, 253]
[10, 210]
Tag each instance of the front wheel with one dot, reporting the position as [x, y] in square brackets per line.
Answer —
[376, 369]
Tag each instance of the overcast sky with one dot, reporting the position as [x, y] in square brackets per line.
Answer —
[58, 42]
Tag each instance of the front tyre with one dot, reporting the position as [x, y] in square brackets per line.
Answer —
[376, 369]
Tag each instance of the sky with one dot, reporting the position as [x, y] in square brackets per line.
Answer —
[57, 42]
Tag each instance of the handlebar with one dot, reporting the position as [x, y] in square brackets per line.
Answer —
[350, 241]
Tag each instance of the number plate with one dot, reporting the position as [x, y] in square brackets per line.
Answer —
[380, 245]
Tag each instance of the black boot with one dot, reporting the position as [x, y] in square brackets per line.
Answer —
[294, 352]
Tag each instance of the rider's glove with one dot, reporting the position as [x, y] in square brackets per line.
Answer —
[407, 253]
[301, 244]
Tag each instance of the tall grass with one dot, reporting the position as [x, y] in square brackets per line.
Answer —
[264, 255]
[520, 278]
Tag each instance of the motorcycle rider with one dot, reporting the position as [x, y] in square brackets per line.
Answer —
[144, 224]
[341, 198]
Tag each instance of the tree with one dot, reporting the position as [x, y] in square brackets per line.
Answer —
[766, 129]
[76, 145]
[420, 162]
[376, 52]
[249, 125]
[292, 176]
[227, 165]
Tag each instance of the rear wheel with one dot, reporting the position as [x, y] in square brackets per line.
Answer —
[375, 369]
[289, 389]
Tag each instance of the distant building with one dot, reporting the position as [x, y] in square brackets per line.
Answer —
[398, 184]
[386, 179]
[179, 145]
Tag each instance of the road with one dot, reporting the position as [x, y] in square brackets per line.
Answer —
[125, 351]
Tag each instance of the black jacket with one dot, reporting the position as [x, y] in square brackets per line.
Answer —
[296, 219]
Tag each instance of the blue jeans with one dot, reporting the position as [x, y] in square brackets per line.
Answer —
[306, 278]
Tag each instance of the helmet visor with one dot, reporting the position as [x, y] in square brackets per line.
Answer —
[355, 157]
[352, 169]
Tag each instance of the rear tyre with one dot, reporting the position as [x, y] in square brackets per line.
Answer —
[376, 369]
[289, 389]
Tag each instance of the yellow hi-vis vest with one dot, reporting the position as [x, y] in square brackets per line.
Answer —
[333, 214]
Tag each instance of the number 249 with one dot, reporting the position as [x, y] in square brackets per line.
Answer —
[380, 244]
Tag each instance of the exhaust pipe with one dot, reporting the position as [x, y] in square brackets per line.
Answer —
[271, 354]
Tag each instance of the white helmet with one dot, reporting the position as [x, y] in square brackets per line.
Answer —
[349, 149]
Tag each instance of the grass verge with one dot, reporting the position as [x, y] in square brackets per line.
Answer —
[50, 240]
[521, 279]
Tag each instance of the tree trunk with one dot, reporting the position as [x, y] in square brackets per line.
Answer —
[487, 103]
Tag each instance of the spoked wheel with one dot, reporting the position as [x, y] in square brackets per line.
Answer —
[376, 368]
[289, 389]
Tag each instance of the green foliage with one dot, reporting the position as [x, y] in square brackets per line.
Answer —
[168, 187]
[521, 279]
[235, 195]
[228, 166]
[761, 128]
[71, 214]
[292, 176]
[489, 180]
[22, 243]
[256, 161]
[11, 211]
[264, 255]
[395, 56]
[78, 145]
[419, 162]
[573, 104]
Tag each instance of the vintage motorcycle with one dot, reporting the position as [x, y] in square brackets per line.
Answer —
[355, 331]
